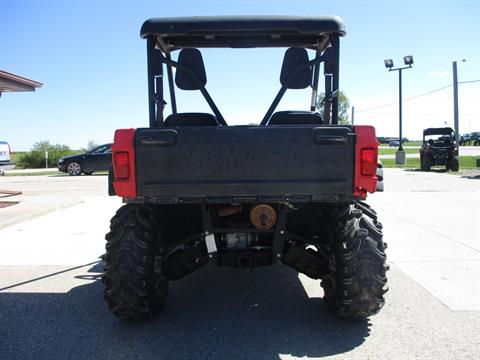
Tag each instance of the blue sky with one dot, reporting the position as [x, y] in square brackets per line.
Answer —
[92, 62]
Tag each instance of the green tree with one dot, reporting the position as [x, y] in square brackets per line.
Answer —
[343, 106]
[92, 144]
[35, 158]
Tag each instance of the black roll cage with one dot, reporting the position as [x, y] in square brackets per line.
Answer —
[159, 54]
[438, 131]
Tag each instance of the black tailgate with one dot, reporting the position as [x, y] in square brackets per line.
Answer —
[243, 161]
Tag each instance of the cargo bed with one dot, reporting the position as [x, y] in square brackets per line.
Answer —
[191, 164]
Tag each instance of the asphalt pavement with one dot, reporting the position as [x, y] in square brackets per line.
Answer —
[51, 294]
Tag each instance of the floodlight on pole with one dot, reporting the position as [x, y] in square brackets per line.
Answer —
[408, 60]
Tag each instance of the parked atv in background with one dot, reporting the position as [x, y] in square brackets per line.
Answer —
[438, 148]
[470, 139]
[289, 190]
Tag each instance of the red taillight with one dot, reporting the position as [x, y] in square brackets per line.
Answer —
[121, 165]
[368, 165]
[123, 159]
[366, 155]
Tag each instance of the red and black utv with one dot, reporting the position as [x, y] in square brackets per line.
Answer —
[290, 190]
[439, 148]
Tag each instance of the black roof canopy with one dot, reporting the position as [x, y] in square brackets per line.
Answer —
[243, 31]
[438, 131]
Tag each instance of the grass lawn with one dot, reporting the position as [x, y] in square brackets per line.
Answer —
[408, 143]
[466, 162]
[411, 163]
[392, 151]
[413, 143]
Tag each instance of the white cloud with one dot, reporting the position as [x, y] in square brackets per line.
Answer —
[439, 74]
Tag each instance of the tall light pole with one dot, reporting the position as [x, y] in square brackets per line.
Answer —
[455, 105]
[408, 60]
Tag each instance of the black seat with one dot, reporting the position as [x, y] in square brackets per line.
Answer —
[296, 117]
[191, 119]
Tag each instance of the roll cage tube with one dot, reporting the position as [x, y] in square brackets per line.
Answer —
[330, 57]
[331, 72]
[335, 78]
[316, 73]
[152, 96]
[155, 75]
[284, 88]
[171, 86]
[155, 61]
[193, 76]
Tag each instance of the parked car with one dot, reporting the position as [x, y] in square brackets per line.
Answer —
[438, 148]
[393, 143]
[98, 159]
[5, 160]
[388, 140]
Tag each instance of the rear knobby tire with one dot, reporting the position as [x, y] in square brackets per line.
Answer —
[133, 290]
[355, 289]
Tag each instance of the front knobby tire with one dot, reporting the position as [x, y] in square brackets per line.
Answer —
[133, 290]
[426, 163]
[454, 164]
[355, 289]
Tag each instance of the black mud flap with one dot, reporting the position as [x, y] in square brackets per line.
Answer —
[111, 189]
[379, 177]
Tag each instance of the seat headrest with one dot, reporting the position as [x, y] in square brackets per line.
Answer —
[191, 119]
[297, 117]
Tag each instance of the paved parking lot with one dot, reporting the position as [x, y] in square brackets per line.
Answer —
[52, 306]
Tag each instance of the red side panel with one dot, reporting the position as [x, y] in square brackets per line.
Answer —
[366, 141]
[125, 185]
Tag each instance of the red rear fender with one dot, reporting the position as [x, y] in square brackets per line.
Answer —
[123, 159]
[366, 161]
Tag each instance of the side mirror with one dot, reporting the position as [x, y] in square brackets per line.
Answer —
[190, 73]
[296, 71]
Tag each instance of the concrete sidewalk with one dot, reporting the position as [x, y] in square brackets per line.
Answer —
[72, 236]
[435, 239]
[432, 228]
[44, 194]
